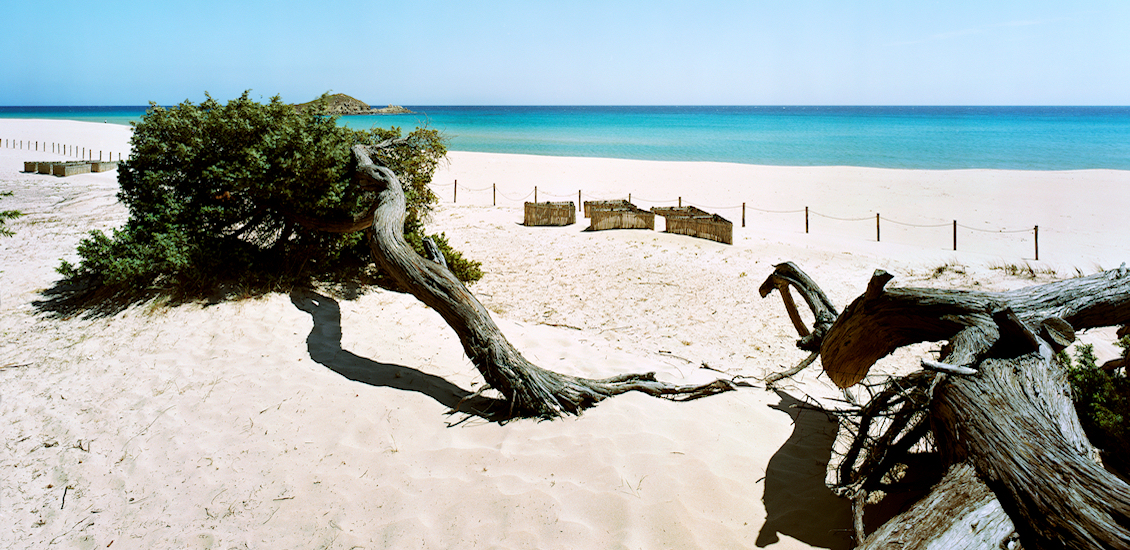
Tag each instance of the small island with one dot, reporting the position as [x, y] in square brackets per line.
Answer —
[341, 104]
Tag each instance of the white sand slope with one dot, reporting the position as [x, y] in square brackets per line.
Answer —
[308, 421]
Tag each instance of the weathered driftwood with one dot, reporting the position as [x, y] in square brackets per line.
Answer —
[883, 320]
[688, 220]
[1010, 417]
[549, 213]
[961, 513]
[527, 390]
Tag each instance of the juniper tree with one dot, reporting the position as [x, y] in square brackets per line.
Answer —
[228, 196]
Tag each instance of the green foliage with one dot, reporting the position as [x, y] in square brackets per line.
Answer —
[466, 270]
[6, 215]
[1102, 401]
[215, 192]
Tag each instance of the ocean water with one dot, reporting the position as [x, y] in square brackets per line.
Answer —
[1021, 138]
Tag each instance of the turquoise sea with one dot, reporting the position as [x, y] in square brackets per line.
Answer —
[1024, 138]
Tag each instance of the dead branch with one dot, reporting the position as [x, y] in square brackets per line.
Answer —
[528, 390]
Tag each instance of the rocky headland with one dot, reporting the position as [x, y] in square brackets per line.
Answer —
[341, 104]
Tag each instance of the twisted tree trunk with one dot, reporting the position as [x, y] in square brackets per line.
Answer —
[528, 390]
[997, 402]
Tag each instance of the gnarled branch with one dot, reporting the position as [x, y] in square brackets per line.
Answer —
[528, 390]
[1010, 418]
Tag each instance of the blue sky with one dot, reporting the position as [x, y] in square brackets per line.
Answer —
[580, 52]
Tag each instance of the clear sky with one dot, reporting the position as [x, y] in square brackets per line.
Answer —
[569, 52]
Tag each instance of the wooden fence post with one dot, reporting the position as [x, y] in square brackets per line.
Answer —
[876, 227]
[578, 200]
[955, 235]
[680, 202]
[1036, 231]
[743, 214]
[806, 219]
[455, 193]
[535, 193]
[493, 195]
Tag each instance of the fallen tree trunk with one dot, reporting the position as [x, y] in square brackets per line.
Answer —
[1008, 414]
[961, 513]
[1015, 423]
[527, 390]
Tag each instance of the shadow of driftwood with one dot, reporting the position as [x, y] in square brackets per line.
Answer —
[797, 502]
[324, 345]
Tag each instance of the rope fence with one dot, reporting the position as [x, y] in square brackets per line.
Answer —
[64, 149]
[808, 213]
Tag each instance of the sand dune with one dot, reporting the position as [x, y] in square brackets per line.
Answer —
[305, 420]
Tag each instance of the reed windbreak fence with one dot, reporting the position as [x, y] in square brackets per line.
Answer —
[808, 213]
[65, 149]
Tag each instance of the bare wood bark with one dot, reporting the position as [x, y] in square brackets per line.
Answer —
[1016, 424]
[961, 513]
[823, 312]
[529, 390]
[1009, 417]
[883, 320]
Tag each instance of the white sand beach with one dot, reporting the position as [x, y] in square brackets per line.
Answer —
[304, 420]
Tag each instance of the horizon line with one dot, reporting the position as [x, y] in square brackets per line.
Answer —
[766, 105]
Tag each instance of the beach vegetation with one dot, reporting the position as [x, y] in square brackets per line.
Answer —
[6, 215]
[1026, 271]
[949, 267]
[1102, 401]
[221, 196]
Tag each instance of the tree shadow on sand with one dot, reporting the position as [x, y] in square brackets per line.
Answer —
[797, 502]
[324, 345]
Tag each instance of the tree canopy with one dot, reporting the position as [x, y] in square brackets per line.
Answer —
[234, 197]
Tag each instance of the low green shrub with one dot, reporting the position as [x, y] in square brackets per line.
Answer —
[215, 192]
[1102, 401]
